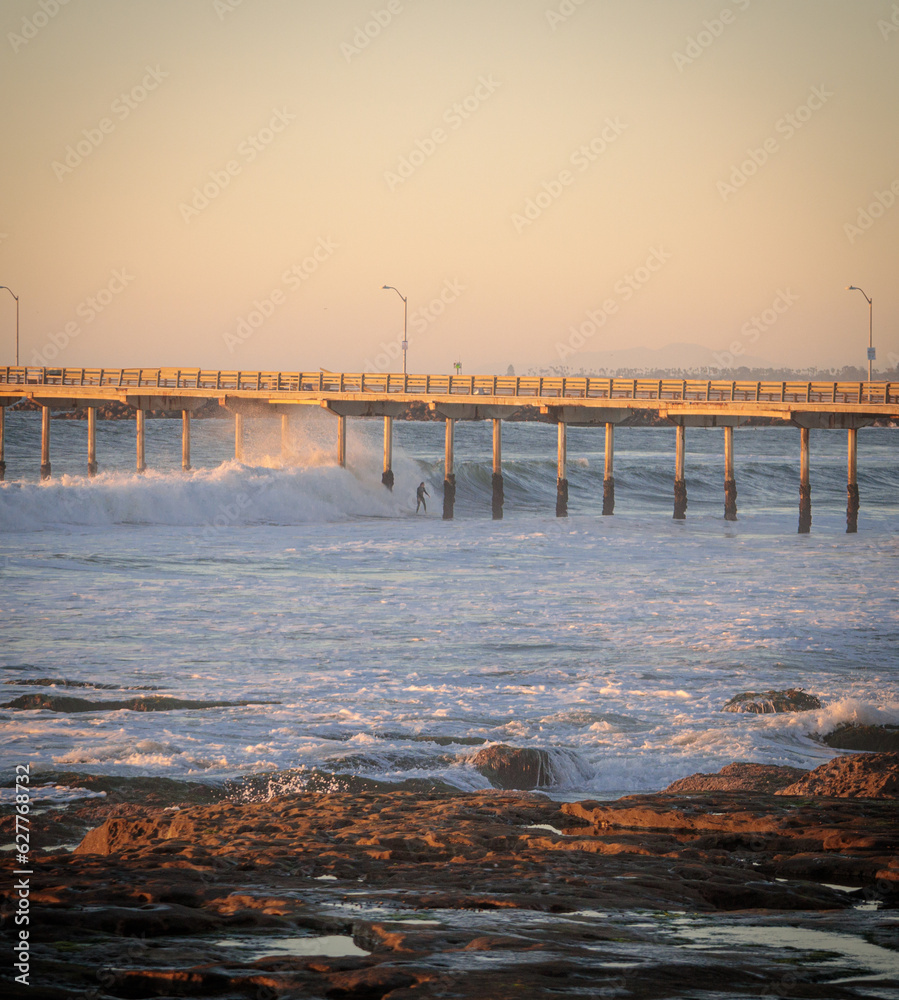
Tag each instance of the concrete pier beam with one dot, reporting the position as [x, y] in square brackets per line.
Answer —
[730, 483]
[805, 489]
[680, 484]
[141, 419]
[387, 474]
[92, 467]
[561, 472]
[608, 482]
[238, 437]
[852, 500]
[449, 477]
[185, 440]
[341, 441]
[45, 442]
[498, 494]
[2, 443]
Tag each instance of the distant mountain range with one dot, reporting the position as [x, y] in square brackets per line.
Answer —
[686, 357]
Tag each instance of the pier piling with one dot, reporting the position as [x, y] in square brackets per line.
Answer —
[805, 490]
[141, 418]
[45, 442]
[561, 476]
[92, 466]
[2, 443]
[341, 441]
[387, 474]
[680, 484]
[185, 440]
[608, 483]
[498, 495]
[852, 485]
[238, 437]
[730, 484]
[449, 477]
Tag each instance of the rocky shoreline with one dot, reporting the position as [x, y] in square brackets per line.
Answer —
[757, 881]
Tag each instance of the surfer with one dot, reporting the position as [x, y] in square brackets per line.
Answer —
[420, 495]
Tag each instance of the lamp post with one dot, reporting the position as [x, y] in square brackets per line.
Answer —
[405, 316]
[855, 288]
[16, 297]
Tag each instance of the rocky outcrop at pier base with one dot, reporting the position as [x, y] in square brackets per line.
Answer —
[739, 777]
[115, 410]
[879, 739]
[526, 768]
[765, 702]
[857, 776]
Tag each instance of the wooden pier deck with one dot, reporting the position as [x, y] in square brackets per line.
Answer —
[169, 385]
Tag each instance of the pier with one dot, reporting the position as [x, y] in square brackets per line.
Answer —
[575, 401]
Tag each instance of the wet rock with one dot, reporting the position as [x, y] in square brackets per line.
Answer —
[855, 776]
[740, 777]
[524, 768]
[762, 703]
[522, 896]
[878, 739]
[150, 703]
[374, 982]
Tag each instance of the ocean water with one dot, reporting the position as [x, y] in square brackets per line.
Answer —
[351, 637]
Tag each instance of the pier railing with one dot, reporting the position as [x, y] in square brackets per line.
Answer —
[538, 387]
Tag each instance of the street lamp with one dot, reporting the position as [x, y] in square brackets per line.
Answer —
[16, 297]
[405, 315]
[855, 288]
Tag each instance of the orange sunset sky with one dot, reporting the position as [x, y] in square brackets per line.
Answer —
[230, 183]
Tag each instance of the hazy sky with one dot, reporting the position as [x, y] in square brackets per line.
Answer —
[230, 183]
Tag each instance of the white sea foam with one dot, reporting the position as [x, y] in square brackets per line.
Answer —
[612, 642]
[50, 794]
